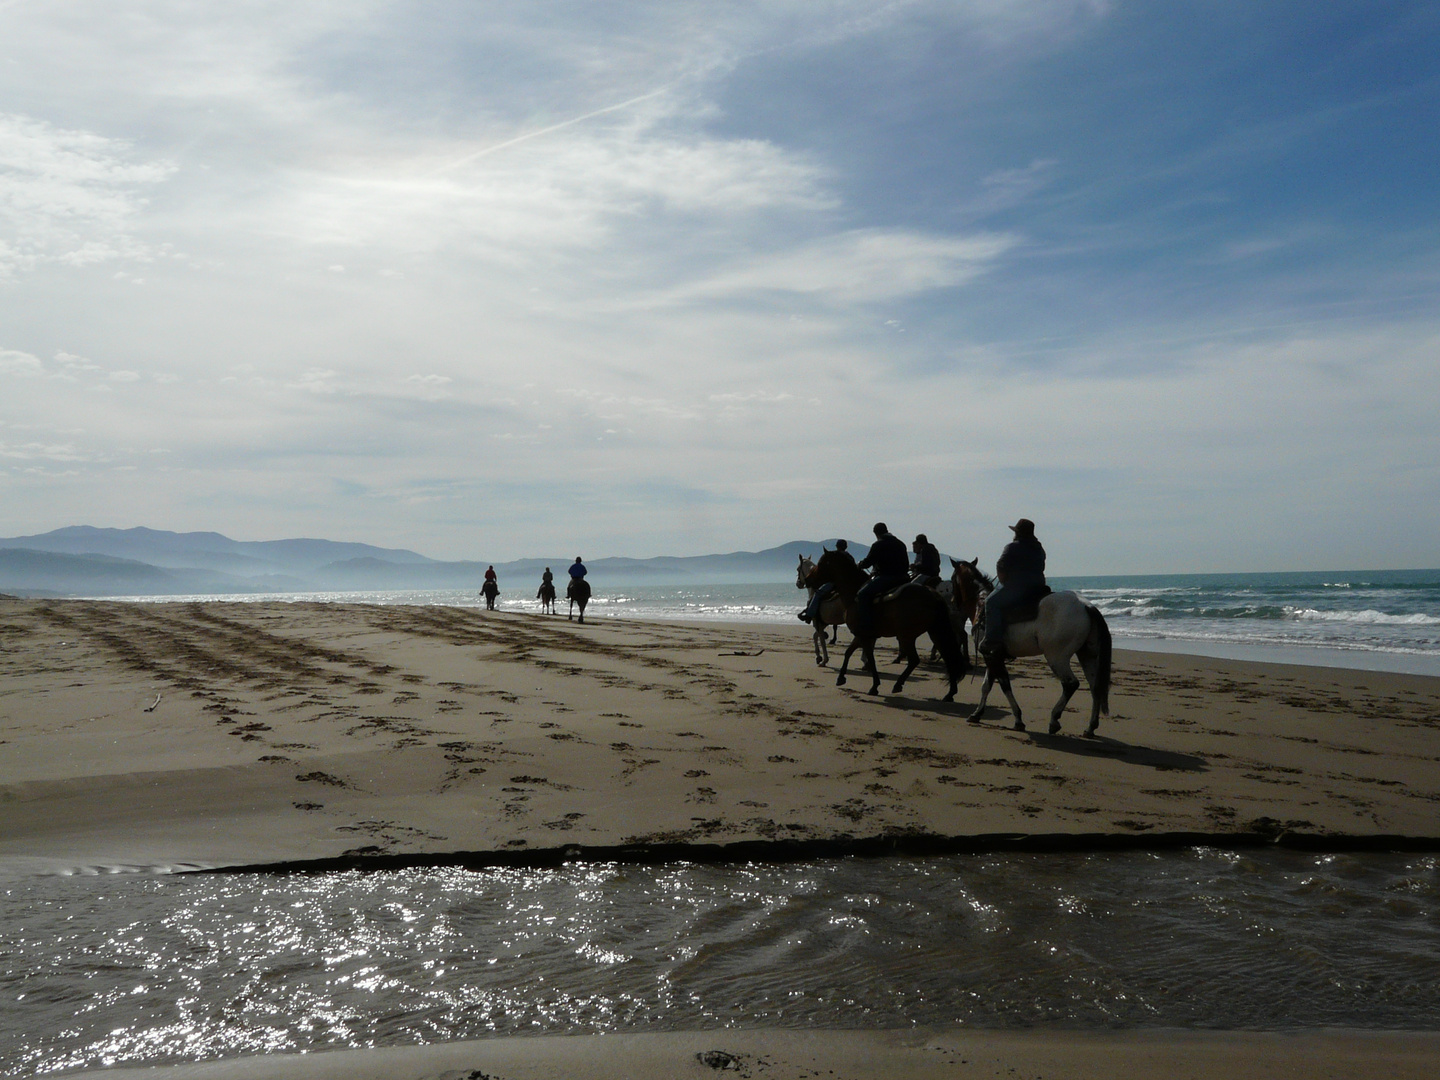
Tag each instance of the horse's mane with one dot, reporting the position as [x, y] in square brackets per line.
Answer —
[984, 577]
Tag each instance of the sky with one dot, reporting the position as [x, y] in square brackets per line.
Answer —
[490, 280]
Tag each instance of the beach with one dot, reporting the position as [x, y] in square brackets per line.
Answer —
[241, 734]
[162, 737]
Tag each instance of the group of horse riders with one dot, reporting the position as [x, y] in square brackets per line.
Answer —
[546, 594]
[1020, 573]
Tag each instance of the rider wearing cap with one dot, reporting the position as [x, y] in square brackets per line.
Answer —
[925, 570]
[889, 566]
[1021, 573]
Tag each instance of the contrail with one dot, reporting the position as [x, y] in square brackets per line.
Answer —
[553, 127]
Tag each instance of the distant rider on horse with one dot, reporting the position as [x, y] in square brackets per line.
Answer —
[925, 570]
[889, 566]
[824, 592]
[1021, 573]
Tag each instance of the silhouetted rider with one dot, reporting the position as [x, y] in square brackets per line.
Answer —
[925, 570]
[1020, 571]
[889, 566]
[825, 591]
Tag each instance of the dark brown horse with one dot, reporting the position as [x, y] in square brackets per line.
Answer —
[490, 591]
[905, 614]
[546, 596]
[967, 583]
[578, 592]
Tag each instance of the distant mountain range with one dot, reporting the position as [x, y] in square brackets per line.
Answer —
[85, 561]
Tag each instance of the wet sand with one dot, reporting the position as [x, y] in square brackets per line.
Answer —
[852, 1055]
[291, 732]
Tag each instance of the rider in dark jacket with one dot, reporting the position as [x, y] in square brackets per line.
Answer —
[925, 570]
[823, 593]
[1021, 572]
[889, 566]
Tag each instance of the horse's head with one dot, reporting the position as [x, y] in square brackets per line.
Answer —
[969, 582]
[802, 572]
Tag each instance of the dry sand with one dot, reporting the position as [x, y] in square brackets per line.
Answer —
[305, 731]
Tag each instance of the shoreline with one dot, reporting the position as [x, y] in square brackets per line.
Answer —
[847, 1054]
[275, 734]
[1356, 657]
[869, 847]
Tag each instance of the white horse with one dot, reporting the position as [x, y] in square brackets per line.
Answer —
[1064, 625]
[831, 614]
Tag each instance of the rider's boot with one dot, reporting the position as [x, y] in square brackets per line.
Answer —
[804, 616]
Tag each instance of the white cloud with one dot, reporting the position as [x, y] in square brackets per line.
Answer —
[859, 266]
[22, 364]
[68, 196]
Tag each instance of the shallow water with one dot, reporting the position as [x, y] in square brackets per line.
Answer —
[147, 969]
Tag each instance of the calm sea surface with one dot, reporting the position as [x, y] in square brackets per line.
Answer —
[1385, 620]
[137, 969]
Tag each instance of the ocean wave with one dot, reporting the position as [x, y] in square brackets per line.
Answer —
[1368, 617]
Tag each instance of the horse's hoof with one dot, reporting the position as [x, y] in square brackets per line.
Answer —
[840, 680]
[1019, 725]
[874, 691]
[1054, 727]
[948, 697]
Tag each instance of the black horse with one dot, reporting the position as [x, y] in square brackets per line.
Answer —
[578, 592]
[490, 591]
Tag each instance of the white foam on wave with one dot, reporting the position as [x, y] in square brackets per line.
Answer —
[1369, 617]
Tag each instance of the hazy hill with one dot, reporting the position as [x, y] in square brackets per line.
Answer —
[86, 561]
[207, 550]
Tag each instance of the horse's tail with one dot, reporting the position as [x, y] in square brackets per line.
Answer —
[942, 633]
[1100, 629]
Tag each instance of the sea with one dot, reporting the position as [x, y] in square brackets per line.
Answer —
[151, 969]
[113, 965]
[1383, 620]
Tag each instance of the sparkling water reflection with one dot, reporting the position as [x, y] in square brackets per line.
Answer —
[137, 969]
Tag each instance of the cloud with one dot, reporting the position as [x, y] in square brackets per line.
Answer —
[68, 196]
[866, 265]
[22, 364]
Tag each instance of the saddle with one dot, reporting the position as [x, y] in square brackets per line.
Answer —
[885, 598]
[1030, 610]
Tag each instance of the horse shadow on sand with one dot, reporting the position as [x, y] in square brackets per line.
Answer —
[1101, 746]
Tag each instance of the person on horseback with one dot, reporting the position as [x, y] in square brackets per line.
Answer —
[889, 566]
[1020, 571]
[547, 578]
[925, 570]
[490, 575]
[824, 592]
[577, 569]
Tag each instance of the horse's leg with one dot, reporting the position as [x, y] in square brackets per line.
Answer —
[907, 649]
[1090, 664]
[1060, 665]
[870, 663]
[822, 654]
[845, 663]
[984, 696]
[1002, 676]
